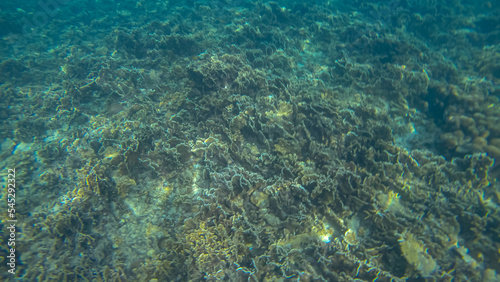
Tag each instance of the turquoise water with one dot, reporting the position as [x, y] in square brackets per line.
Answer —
[250, 140]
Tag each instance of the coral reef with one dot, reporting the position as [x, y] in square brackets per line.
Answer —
[254, 141]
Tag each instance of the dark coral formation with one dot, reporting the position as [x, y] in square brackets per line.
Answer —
[255, 141]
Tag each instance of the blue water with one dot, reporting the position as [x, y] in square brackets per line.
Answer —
[250, 140]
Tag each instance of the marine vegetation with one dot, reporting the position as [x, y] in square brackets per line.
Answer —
[253, 141]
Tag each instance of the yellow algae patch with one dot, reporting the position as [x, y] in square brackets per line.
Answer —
[351, 238]
[416, 254]
[323, 231]
[284, 109]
